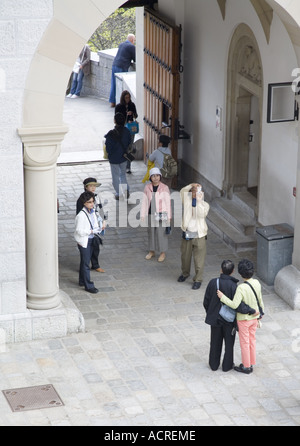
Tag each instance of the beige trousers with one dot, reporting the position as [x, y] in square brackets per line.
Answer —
[195, 248]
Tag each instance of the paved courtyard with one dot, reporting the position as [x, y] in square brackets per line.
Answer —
[143, 357]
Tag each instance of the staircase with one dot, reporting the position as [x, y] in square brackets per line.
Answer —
[234, 220]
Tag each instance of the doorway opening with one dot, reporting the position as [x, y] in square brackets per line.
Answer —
[244, 105]
[248, 143]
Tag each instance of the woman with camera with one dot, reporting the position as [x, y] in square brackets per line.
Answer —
[156, 206]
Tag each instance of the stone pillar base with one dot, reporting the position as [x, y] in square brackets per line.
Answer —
[41, 324]
[287, 286]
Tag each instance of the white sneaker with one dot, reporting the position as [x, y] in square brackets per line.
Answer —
[69, 95]
[74, 96]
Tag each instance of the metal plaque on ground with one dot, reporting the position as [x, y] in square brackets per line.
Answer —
[31, 398]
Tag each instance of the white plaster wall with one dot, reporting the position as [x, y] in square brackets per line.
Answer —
[21, 27]
[206, 39]
[280, 140]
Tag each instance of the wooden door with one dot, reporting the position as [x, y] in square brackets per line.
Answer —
[162, 81]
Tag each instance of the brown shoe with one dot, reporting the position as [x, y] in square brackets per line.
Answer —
[100, 270]
[162, 257]
[150, 255]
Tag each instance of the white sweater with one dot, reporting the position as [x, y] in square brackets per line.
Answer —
[194, 216]
[83, 227]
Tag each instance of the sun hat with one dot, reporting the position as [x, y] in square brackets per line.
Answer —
[154, 171]
[91, 182]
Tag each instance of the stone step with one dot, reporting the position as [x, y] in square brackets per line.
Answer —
[234, 238]
[236, 214]
[247, 202]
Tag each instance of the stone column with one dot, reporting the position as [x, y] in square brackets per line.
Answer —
[41, 151]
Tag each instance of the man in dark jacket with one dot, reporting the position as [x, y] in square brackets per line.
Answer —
[117, 142]
[121, 63]
[220, 329]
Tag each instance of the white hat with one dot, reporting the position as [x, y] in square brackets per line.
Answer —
[154, 171]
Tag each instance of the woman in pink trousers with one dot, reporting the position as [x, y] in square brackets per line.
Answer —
[250, 293]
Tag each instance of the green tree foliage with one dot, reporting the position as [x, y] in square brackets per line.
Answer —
[113, 30]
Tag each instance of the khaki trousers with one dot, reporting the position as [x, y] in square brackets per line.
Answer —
[195, 248]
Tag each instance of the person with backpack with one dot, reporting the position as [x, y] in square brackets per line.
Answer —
[163, 160]
[194, 233]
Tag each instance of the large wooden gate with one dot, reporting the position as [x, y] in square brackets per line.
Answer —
[162, 81]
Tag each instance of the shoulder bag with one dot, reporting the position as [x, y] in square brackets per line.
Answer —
[227, 313]
[127, 155]
[259, 307]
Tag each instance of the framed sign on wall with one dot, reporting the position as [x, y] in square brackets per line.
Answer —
[282, 104]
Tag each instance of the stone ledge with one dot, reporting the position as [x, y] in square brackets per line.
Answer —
[42, 324]
[287, 286]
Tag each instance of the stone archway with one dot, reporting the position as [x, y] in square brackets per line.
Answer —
[43, 129]
[42, 133]
[243, 91]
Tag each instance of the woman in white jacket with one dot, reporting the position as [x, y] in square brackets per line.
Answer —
[86, 229]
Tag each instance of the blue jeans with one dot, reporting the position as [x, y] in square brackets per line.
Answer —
[112, 95]
[84, 269]
[118, 174]
[77, 80]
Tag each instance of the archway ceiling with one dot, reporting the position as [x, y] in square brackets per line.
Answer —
[287, 10]
[289, 13]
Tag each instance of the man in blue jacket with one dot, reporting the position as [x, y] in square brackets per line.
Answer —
[121, 64]
[117, 142]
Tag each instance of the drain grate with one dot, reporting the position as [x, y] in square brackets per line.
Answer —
[31, 398]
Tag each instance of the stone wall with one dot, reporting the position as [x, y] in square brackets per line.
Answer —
[22, 25]
[98, 82]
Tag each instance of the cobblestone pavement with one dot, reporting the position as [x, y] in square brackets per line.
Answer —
[143, 358]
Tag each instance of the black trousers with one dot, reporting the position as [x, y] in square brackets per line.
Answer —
[95, 255]
[218, 335]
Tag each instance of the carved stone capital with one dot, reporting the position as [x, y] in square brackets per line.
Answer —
[42, 145]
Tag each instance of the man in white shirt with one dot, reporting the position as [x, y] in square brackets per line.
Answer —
[194, 234]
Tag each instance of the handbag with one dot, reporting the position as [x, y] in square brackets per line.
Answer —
[261, 313]
[97, 240]
[76, 67]
[227, 313]
[129, 156]
[133, 127]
